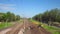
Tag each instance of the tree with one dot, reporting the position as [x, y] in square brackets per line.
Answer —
[48, 16]
[8, 17]
[17, 17]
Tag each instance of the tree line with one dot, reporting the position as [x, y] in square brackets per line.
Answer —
[52, 15]
[8, 17]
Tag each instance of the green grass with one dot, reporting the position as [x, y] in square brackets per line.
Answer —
[53, 30]
[4, 25]
[8, 24]
[35, 22]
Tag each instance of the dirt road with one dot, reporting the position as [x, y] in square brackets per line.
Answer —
[26, 28]
[33, 29]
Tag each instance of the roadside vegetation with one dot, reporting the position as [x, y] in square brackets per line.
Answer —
[7, 19]
[50, 20]
[50, 17]
[4, 25]
[52, 29]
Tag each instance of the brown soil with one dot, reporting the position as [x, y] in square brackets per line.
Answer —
[30, 28]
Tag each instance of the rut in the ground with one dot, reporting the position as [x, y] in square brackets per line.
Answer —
[28, 28]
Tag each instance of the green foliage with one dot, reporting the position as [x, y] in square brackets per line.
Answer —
[52, 29]
[48, 16]
[17, 17]
[5, 24]
[8, 17]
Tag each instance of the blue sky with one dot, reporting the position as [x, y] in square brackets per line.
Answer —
[28, 8]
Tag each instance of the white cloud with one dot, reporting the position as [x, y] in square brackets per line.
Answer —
[7, 7]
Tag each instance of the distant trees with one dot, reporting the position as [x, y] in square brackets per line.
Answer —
[17, 17]
[48, 16]
[8, 17]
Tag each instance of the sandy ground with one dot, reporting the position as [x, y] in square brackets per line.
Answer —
[5, 31]
[21, 31]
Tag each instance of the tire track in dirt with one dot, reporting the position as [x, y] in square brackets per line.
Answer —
[15, 29]
[27, 28]
[33, 29]
[5, 31]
